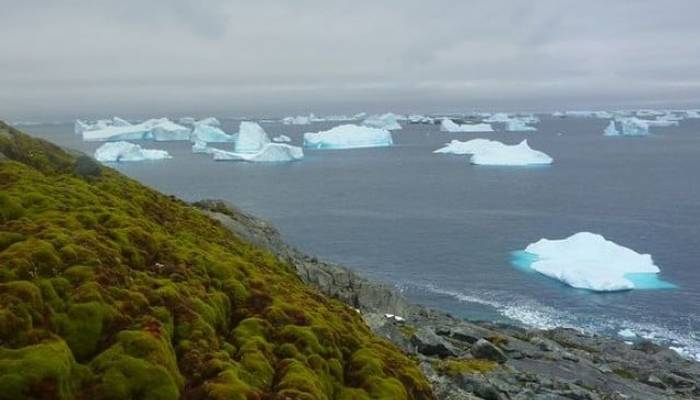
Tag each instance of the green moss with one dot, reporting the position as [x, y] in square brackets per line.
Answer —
[454, 367]
[623, 373]
[157, 301]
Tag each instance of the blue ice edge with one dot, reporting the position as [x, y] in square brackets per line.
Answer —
[522, 260]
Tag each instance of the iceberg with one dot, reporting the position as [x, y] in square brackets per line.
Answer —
[469, 147]
[492, 152]
[634, 127]
[298, 120]
[611, 130]
[348, 137]
[420, 119]
[270, 152]
[388, 121]
[515, 155]
[251, 138]
[210, 134]
[692, 114]
[517, 125]
[211, 121]
[497, 117]
[447, 125]
[125, 151]
[160, 129]
[281, 139]
[80, 127]
[189, 121]
[588, 261]
[587, 114]
[200, 146]
[166, 130]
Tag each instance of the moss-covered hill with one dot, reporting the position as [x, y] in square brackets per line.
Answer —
[110, 290]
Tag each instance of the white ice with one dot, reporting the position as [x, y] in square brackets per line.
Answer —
[125, 151]
[160, 129]
[588, 261]
[251, 138]
[211, 121]
[210, 134]
[420, 119]
[282, 139]
[611, 130]
[492, 152]
[518, 125]
[299, 120]
[634, 127]
[348, 137]
[469, 147]
[447, 125]
[388, 121]
[270, 152]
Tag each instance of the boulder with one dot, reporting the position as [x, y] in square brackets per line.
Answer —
[487, 350]
[428, 343]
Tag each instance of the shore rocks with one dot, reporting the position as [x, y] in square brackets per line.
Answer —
[486, 350]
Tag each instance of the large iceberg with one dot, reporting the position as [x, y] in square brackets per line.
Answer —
[388, 121]
[251, 138]
[125, 151]
[611, 130]
[210, 134]
[348, 137]
[518, 125]
[270, 152]
[420, 119]
[492, 152]
[160, 129]
[589, 261]
[447, 125]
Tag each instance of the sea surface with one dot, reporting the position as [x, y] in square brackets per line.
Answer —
[443, 230]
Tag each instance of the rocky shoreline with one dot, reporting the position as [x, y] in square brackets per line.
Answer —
[481, 360]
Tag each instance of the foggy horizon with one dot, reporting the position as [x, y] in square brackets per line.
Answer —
[239, 59]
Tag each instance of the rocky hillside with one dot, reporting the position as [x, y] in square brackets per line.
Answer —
[110, 290]
[468, 360]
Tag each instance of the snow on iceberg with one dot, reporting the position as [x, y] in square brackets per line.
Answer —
[515, 155]
[388, 121]
[588, 261]
[210, 134]
[492, 152]
[611, 130]
[282, 139]
[251, 138]
[125, 151]
[518, 125]
[447, 125]
[270, 152]
[348, 137]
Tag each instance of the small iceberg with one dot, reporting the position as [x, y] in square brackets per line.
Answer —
[447, 125]
[588, 261]
[251, 138]
[492, 152]
[518, 125]
[420, 119]
[200, 146]
[298, 120]
[165, 130]
[388, 121]
[348, 137]
[211, 121]
[270, 152]
[116, 129]
[634, 127]
[281, 139]
[210, 134]
[125, 151]
[611, 130]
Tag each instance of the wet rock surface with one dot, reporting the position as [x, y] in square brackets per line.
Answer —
[482, 360]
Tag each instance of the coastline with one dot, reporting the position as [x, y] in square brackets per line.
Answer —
[463, 359]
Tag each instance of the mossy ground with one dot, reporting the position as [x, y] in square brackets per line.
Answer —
[455, 366]
[110, 290]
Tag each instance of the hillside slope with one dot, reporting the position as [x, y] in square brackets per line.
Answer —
[110, 290]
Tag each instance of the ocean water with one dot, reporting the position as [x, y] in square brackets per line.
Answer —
[444, 231]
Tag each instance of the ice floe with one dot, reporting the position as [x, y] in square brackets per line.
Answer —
[388, 121]
[348, 137]
[448, 125]
[588, 261]
[270, 152]
[492, 152]
[125, 151]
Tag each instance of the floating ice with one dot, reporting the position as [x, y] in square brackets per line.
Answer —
[348, 137]
[251, 138]
[189, 121]
[584, 114]
[388, 121]
[627, 333]
[211, 121]
[200, 146]
[518, 125]
[125, 151]
[281, 139]
[165, 130]
[420, 119]
[634, 127]
[210, 134]
[611, 130]
[298, 120]
[497, 117]
[160, 129]
[270, 152]
[447, 125]
[588, 261]
[492, 152]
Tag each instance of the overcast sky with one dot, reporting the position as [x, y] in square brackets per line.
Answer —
[235, 58]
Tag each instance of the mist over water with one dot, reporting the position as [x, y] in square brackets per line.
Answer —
[444, 230]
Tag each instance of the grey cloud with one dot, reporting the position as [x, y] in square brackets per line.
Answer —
[67, 58]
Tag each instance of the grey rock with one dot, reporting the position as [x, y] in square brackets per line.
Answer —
[86, 167]
[487, 350]
[427, 342]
